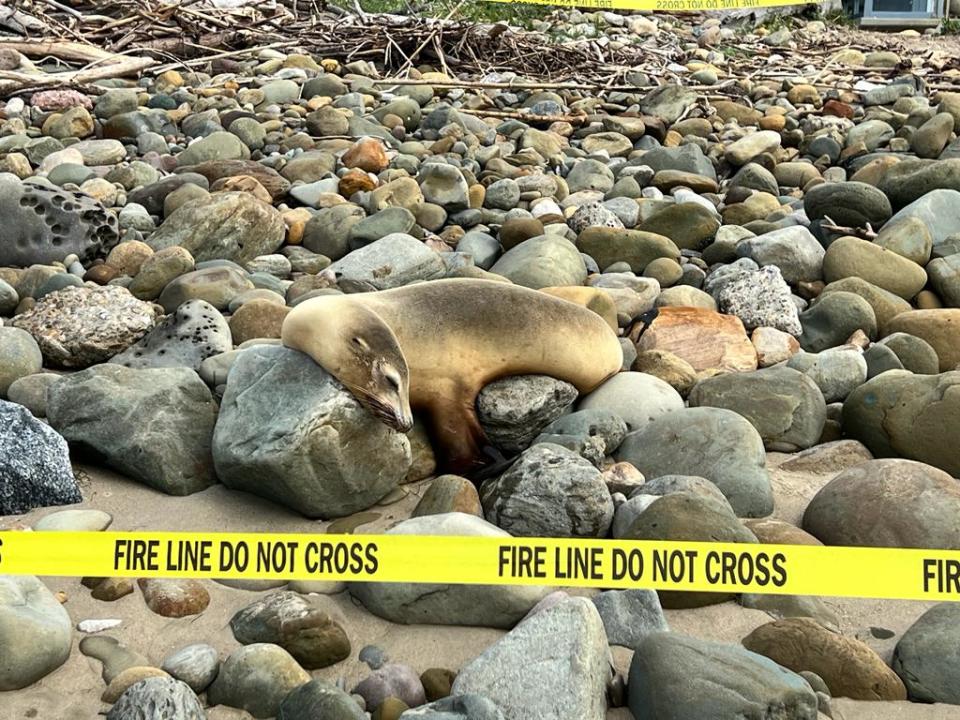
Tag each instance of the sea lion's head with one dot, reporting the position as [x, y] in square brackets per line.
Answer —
[359, 349]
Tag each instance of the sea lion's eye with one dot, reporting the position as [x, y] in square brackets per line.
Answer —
[359, 342]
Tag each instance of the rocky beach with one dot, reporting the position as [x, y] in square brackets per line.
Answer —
[766, 214]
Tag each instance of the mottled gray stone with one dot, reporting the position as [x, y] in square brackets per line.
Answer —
[288, 431]
[34, 464]
[154, 425]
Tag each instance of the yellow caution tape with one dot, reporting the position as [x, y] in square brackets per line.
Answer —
[664, 5]
[907, 574]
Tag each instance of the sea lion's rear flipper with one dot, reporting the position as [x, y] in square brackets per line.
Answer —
[455, 430]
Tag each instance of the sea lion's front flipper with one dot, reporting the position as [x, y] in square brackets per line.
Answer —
[455, 430]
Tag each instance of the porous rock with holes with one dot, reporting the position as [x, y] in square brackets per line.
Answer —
[41, 225]
[185, 338]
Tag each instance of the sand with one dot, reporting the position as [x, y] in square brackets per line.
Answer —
[73, 691]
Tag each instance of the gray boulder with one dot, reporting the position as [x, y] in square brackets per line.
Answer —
[391, 261]
[496, 606]
[549, 491]
[887, 503]
[555, 665]
[197, 665]
[637, 398]
[714, 443]
[514, 410]
[603, 424]
[674, 677]
[288, 431]
[837, 371]
[927, 658]
[936, 210]
[630, 615]
[793, 249]
[785, 406]
[154, 425]
[34, 464]
[35, 632]
[185, 338]
[223, 226]
[899, 414]
[541, 262]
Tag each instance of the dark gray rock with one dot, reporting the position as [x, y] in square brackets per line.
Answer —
[152, 196]
[154, 425]
[834, 318]
[926, 658]
[296, 624]
[673, 677]
[288, 431]
[899, 414]
[34, 464]
[714, 443]
[847, 203]
[549, 492]
[514, 410]
[555, 664]
[43, 225]
[496, 606]
[319, 699]
[785, 406]
[602, 424]
[630, 615]
[185, 338]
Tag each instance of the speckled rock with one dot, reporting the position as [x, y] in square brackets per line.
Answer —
[81, 326]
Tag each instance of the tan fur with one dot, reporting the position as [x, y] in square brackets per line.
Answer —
[455, 336]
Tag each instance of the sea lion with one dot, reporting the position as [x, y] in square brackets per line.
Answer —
[433, 346]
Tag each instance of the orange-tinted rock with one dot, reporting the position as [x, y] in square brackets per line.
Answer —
[100, 274]
[778, 532]
[367, 154]
[242, 183]
[707, 340]
[355, 181]
[257, 319]
[174, 598]
[773, 346]
[838, 109]
[296, 220]
[940, 328]
[849, 667]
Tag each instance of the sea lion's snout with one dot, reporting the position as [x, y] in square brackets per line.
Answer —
[402, 422]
